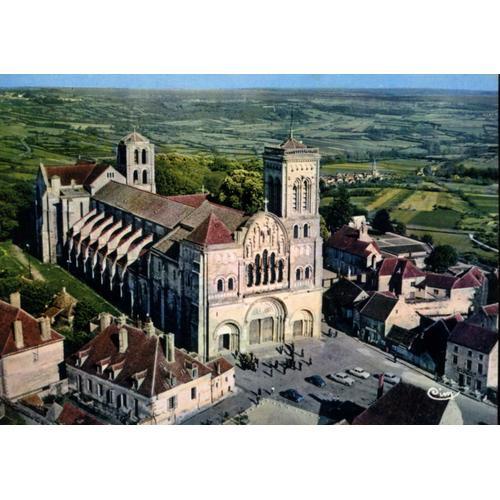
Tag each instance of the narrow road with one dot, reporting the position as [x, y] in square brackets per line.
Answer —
[21, 257]
[484, 245]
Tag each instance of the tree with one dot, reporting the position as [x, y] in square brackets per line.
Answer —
[244, 190]
[36, 296]
[427, 238]
[323, 229]
[340, 210]
[84, 312]
[399, 227]
[441, 258]
[382, 221]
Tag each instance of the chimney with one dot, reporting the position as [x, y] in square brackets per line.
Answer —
[18, 334]
[217, 367]
[73, 183]
[169, 338]
[149, 328]
[122, 320]
[123, 340]
[15, 300]
[55, 184]
[45, 328]
[104, 320]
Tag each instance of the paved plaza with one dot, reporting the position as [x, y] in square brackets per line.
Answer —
[327, 355]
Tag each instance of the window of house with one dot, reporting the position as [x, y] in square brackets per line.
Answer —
[89, 385]
[306, 230]
[220, 285]
[480, 357]
[298, 274]
[99, 389]
[172, 402]
[308, 273]
[193, 392]
[436, 291]
[469, 353]
[455, 348]
[124, 400]
[469, 364]
[455, 360]
[480, 368]
[468, 380]
[295, 231]
[478, 385]
[230, 284]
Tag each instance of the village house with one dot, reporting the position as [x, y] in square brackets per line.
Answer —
[446, 294]
[62, 308]
[375, 316]
[352, 252]
[486, 316]
[472, 359]
[134, 375]
[31, 352]
[399, 276]
[340, 300]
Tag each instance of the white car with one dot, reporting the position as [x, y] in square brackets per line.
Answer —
[391, 378]
[341, 378]
[359, 372]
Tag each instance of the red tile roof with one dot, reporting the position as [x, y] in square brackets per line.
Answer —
[441, 281]
[83, 172]
[31, 330]
[191, 200]
[72, 415]
[145, 353]
[407, 269]
[470, 278]
[347, 240]
[212, 231]
[491, 309]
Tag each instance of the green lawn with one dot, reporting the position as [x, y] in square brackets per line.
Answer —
[54, 274]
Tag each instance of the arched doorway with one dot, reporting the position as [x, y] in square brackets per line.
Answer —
[302, 324]
[227, 337]
[265, 321]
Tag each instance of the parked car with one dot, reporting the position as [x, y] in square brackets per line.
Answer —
[341, 378]
[359, 372]
[316, 380]
[293, 395]
[391, 378]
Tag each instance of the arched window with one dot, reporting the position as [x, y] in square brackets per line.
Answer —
[220, 285]
[305, 195]
[257, 269]
[295, 231]
[230, 284]
[272, 265]
[280, 271]
[295, 197]
[144, 156]
[298, 274]
[265, 266]
[136, 176]
[136, 156]
[308, 273]
[144, 176]
[306, 230]
[250, 275]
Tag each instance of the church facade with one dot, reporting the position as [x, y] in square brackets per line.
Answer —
[218, 278]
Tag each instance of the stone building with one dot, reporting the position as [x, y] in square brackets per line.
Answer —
[31, 352]
[135, 375]
[216, 277]
[472, 358]
[352, 252]
[486, 316]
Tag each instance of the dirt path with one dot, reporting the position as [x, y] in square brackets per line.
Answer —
[21, 257]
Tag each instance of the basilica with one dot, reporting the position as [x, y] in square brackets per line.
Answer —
[220, 279]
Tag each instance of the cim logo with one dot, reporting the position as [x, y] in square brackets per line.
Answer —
[441, 394]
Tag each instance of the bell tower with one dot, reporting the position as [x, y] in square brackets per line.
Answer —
[135, 159]
[291, 179]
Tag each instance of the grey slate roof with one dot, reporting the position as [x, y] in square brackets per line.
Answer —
[379, 306]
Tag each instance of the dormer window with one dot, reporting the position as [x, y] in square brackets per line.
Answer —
[82, 356]
[194, 372]
[138, 378]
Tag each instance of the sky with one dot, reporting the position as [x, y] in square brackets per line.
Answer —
[446, 82]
